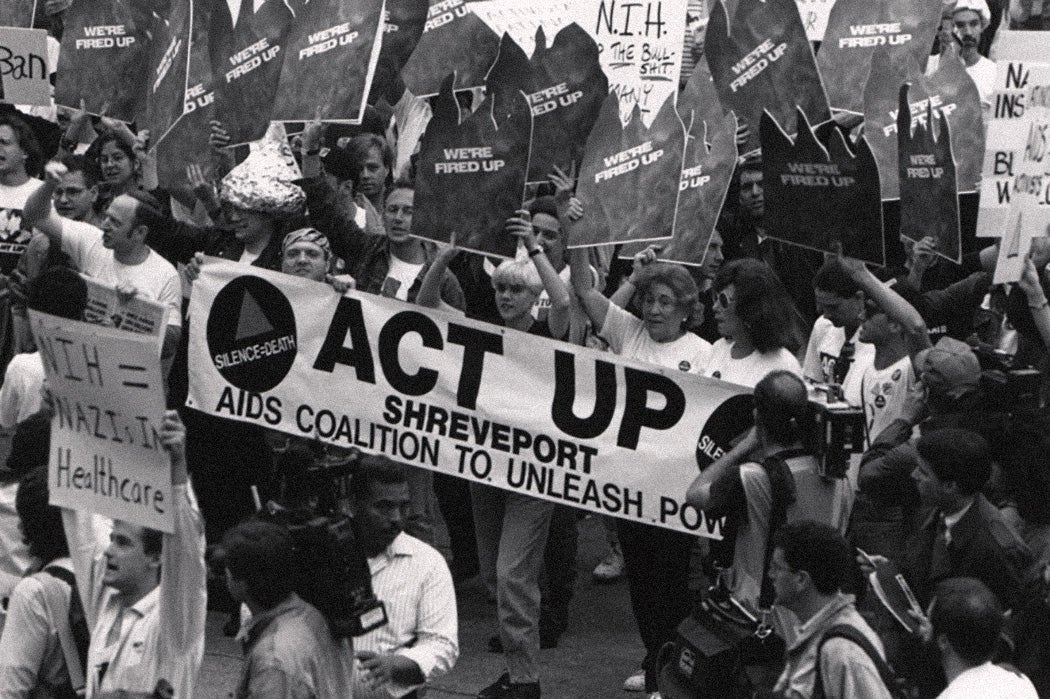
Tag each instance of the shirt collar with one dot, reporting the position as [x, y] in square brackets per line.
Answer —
[953, 519]
[257, 623]
[400, 546]
[816, 623]
[145, 605]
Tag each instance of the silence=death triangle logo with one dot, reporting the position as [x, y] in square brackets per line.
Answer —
[252, 320]
[251, 334]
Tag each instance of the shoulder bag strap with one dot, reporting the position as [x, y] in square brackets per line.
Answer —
[55, 600]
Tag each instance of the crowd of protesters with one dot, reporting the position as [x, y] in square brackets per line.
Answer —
[943, 369]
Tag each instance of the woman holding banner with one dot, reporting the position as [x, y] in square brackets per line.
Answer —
[657, 559]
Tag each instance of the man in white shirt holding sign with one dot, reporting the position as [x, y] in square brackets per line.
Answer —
[117, 253]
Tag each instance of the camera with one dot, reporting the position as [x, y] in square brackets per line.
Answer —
[838, 428]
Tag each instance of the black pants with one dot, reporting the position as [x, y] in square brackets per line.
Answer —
[657, 564]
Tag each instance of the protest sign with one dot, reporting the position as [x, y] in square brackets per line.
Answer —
[330, 37]
[707, 170]
[814, 14]
[23, 67]
[247, 50]
[403, 22]
[522, 20]
[856, 28]
[820, 195]
[565, 87]
[1016, 57]
[105, 49]
[454, 40]
[477, 401]
[17, 13]
[1029, 213]
[169, 69]
[926, 171]
[108, 395]
[630, 176]
[471, 173]
[760, 60]
[135, 314]
[640, 49]
[951, 93]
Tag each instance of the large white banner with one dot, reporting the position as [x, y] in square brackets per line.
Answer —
[108, 394]
[473, 400]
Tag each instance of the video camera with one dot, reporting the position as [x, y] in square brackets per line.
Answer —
[1005, 384]
[840, 427]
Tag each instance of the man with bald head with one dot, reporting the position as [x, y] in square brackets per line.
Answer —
[773, 476]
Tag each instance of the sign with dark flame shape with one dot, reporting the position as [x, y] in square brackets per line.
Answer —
[926, 171]
[169, 69]
[762, 61]
[821, 195]
[629, 179]
[710, 157]
[471, 172]
[454, 40]
[950, 91]
[565, 86]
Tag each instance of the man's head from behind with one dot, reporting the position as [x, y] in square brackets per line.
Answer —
[260, 563]
[782, 413]
[40, 522]
[967, 620]
[954, 465]
[949, 371]
[839, 299]
[59, 291]
[811, 561]
[379, 501]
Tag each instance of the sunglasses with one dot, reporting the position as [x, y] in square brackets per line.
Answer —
[723, 300]
[512, 288]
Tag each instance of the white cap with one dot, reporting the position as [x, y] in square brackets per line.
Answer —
[978, 6]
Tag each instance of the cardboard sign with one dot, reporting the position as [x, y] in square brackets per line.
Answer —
[710, 157]
[471, 173]
[640, 49]
[565, 88]
[17, 13]
[488, 404]
[247, 52]
[1016, 55]
[762, 61]
[135, 315]
[454, 40]
[820, 195]
[403, 22]
[108, 393]
[24, 77]
[814, 14]
[523, 20]
[926, 171]
[630, 177]
[169, 69]
[856, 28]
[330, 37]
[105, 50]
[951, 93]
[1029, 214]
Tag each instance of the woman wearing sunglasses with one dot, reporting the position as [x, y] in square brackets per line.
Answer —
[656, 559]
[754, 318]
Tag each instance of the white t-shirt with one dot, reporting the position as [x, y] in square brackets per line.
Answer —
[628, 337]
[399, 278]
[155, 278]
[989, 681]
[20, 395]
[884, 393]
[751, 369]
[13, 239]
[822, 353]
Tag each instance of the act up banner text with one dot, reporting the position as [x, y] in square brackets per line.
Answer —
[477, 401]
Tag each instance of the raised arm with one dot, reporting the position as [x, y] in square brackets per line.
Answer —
[708, 490]
[38, 212]
[520, 226]
[622, 296]
[892, 304]
[429, 293]
[1037, 302]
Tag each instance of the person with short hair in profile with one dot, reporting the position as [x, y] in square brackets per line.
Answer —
[288, 650]
[967, 621]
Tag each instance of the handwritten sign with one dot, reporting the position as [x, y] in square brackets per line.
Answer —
[106, 456]
[136, 314]
[23, 66]
[521, 20]
[814, 14]
[640, 49]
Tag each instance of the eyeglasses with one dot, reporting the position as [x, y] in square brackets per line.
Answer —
[723, 300]
[512, 288]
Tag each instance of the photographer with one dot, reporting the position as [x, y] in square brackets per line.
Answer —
[771, 477]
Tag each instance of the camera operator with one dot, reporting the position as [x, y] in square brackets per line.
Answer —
[774, 473]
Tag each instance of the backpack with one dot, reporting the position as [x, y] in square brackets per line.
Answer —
[898, 687]
[333, 573]
[75, 637]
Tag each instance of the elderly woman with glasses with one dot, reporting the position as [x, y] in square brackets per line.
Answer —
[754, 315]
